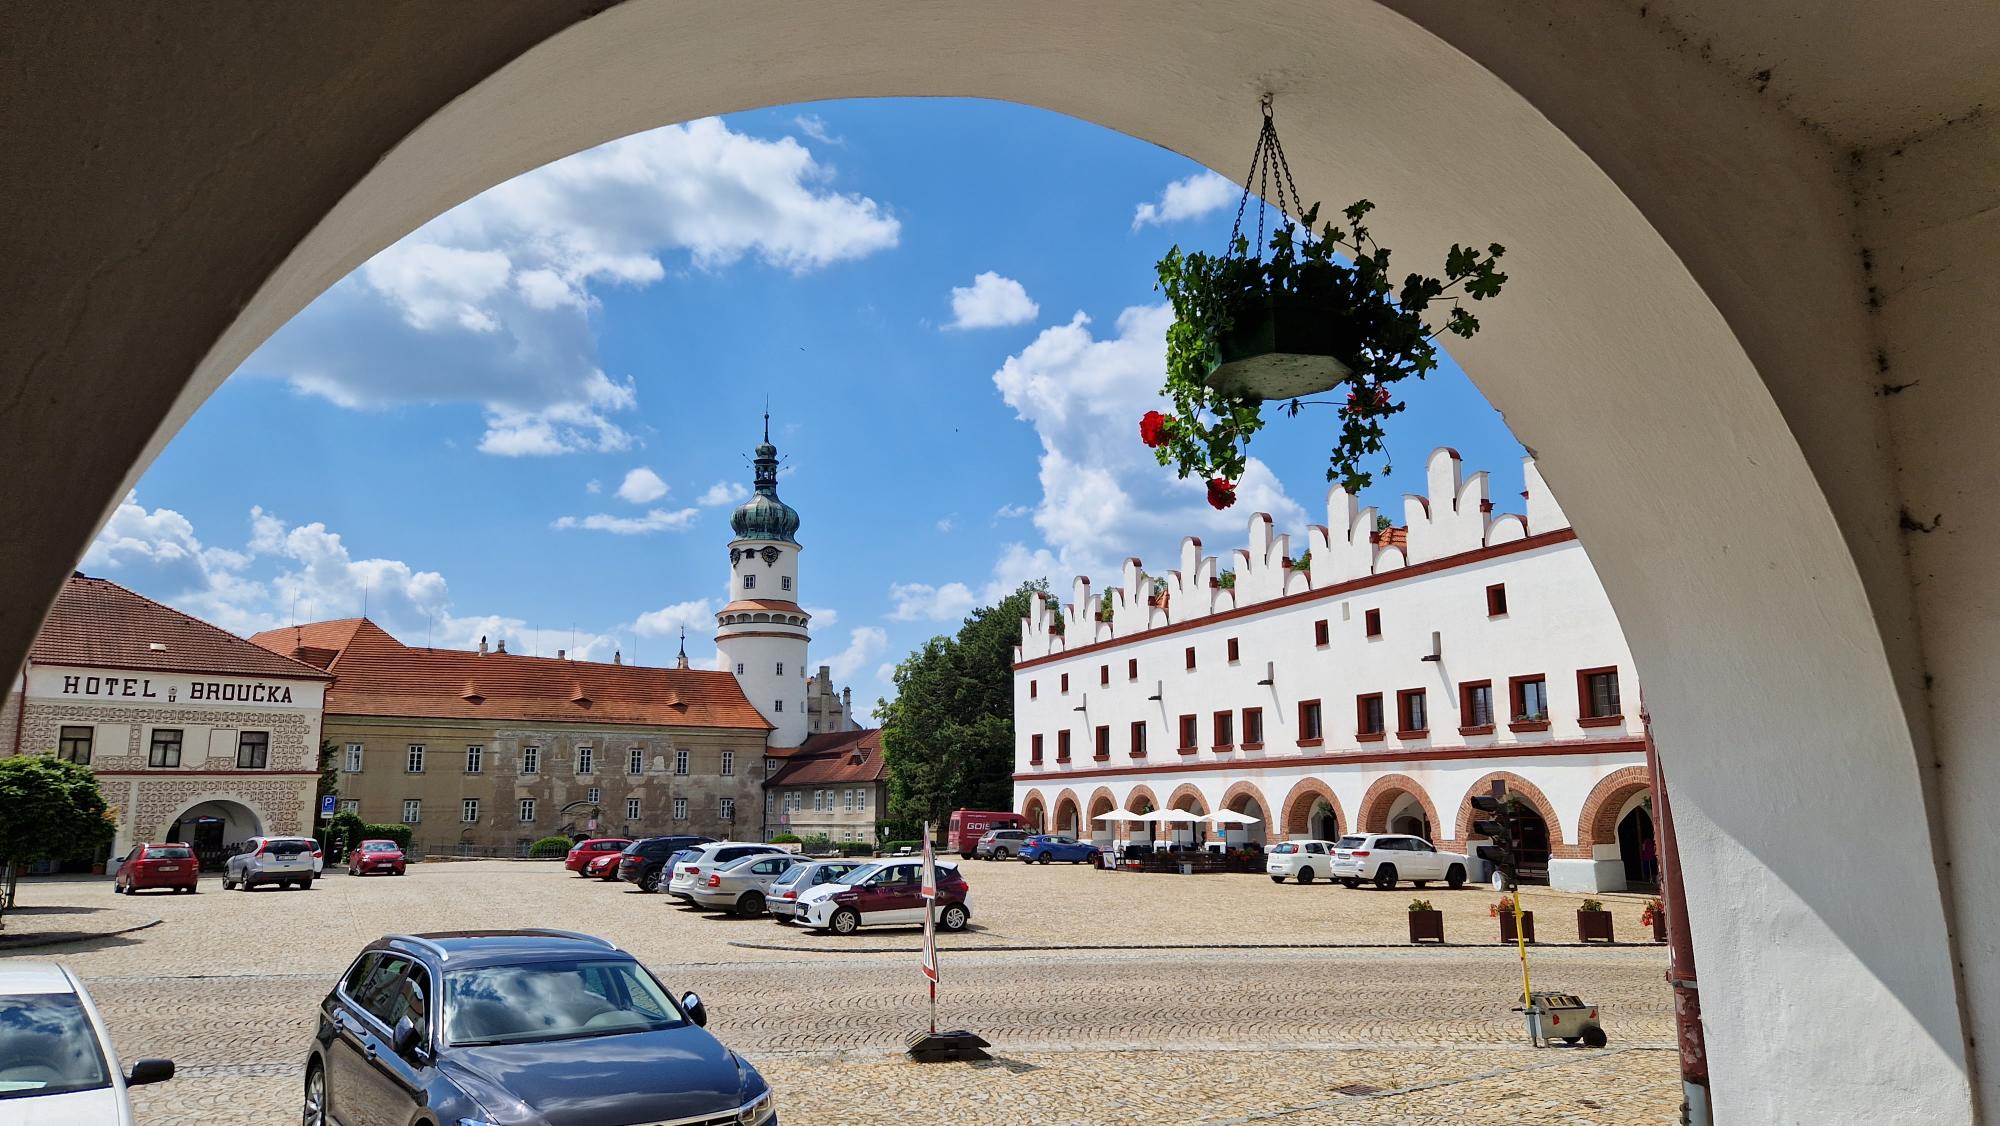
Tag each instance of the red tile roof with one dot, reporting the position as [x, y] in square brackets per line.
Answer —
[841, 756]
[96, 622]
[743, 604]
[374, 674]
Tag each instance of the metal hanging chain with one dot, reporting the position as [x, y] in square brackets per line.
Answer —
[1267, 152]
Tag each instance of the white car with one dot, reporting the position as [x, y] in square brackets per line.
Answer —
[885, 893]
[1304, 861]
[1383, 859]
[695, 870]
[56, 1061]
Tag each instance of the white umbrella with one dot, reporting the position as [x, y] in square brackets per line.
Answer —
[1120, 815]
[1231, 817]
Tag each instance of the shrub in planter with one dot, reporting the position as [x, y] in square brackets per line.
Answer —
[1426, 922]
[549, 848]
[1593, 922]
[1655, 916]
[1504, 911]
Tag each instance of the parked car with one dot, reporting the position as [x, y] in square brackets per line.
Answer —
[692, 870]
[533, 1027]
[1304, 861]
[782, 901]
[285, 861]
[376, 856]
[583, 852]
[886, 893]
[1000, 844]
[1384, 858]
[1043, 848]
[966, 826]
[743, 886]
[170, 866]
[644, 861]
[604, 866]
[56, 1060]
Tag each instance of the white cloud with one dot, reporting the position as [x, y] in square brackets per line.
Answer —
[886, 673]
[991, 301]
[1190, 198]
[594, 487]
[814, 126]
[721, 493]
[864, 644]
[916, 602]
[823, 618]
[667, 621]
[1010, 511]
[490, 303]
[945, 525]
[655, 520]
[642, 486]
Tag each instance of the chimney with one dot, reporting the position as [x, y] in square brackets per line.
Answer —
[482, 644]
[826, 675]
[618, 656]
[500, 646]
[561, 653]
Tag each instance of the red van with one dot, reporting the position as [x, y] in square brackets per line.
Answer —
[966, 826]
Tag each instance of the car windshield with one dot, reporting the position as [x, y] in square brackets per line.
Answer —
[555, 1000]
[380, 846]
[174, 853]
[47, 1047]
[288, 848]
[861, 875]
[1349, 842]
[1284, 848]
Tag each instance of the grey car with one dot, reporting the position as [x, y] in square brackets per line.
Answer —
[1001, 844]
[283, 861]
[782, 900]
[744, 885]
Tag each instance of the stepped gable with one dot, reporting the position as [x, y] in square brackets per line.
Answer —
[375, 674]
[833, 758]
[97, 623]
[1456, 517]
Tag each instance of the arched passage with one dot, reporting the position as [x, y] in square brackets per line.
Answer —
[1311, 810]
[1141, 799]
[1616, 828]
[1067, 813]
[1398, 803]
[1543, 839]
[1101, 803]
[1187, 798]
[1247, 799]
[1036, 810]
[214, 827]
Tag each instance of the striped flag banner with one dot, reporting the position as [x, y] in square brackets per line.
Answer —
[930, 915]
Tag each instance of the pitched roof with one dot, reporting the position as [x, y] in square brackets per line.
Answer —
[99, 623]
[375, 674]
[840, 756]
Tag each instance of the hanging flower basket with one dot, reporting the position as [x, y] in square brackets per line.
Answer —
[1313, 310]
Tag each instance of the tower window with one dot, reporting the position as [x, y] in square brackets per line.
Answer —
[785, 582]
[781, 668]
[779, 705]
[739, 668]
[749, 582]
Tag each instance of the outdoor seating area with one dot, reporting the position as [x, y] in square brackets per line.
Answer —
[1188, 848]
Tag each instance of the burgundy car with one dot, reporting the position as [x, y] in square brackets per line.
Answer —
[583, 852]
[170, 866]
[376, 856]
[886, 893]
[604, 867]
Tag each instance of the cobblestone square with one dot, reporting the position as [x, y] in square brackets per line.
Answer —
[1109, 997]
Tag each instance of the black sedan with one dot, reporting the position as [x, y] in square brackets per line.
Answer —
[519, 1028]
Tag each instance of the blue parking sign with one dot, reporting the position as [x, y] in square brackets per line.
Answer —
[326, 808]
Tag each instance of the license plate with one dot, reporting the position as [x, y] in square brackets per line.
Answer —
[168, 868]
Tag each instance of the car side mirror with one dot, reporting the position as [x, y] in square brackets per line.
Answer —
[150, 1071]
[405, 1037]
[696, 1011]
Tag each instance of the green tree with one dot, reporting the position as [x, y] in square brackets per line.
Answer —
[948, 736]
[50, 810]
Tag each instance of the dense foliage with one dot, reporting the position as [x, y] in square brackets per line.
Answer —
[948, 737]
[549, 848]
[349, 830]
[51, 810]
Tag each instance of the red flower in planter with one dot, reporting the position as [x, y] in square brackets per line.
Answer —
[1221, 493]
[1362, 403]
[1153, 428]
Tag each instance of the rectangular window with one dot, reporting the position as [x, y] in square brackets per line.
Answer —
[1412, 713]
[1311, 733]
[527, 810]
[1034, 689]
[749, 582]
[531, 760]
[785, 582]
[1597, 697]
[1372, 621]
[469, 811]
[727, 810]
[475, 759]
[847, 801]
[1234, 653]
[635, 761]
[1253, 728]
[1496, 600]
[631, 809]
[413, 811]
[680, 809]
[778, 705]
[770, 803]
[819, 801]
[1034, 750]
[253, 750]
[1062, 745]
[591, 795]
[1103, 675]
[860, 800]
[1321, 635]
[1139, 738]
[1368, 716]
[1475, 707]
[75, 744]
[728, 762]
[351, 805]
[781, 668]
[585, 760]
[680, 762]
[1530, 698]
[166, 747]
[1063, 685]
[1103, 751]
[1225, 731]
[414, 762]
[1132, 669]
[1190, 734]
[354, 757]
[739, 668]
[1187, 657]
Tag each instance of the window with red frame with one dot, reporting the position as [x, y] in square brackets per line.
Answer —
[1310, 734]
[1233, 652]
[1103, 674]
[1225, 731]
[1190, 733]
[1253, 728]
[1496, 600]
[1132, 669]
[1475, 706]
[1139, 738]
[1103, 751]
[1368, 716]
[1372, 621]
[1062, 746]
[1065, 684]
[1034, 689]
[1034, 750]
[1321, 635]
[1412, 712]
[1597, 697]
[1189, 657]
[1530, 698]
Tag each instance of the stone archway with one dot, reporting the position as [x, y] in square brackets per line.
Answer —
[1598, 823]
[1246, 798]
[214, 826]
[1384, 797]
[1067, 813]
[1296, 814]
[1141, 799]
[1101, 803]
[1036, 810]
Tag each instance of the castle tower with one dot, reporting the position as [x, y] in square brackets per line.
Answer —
[761, 634]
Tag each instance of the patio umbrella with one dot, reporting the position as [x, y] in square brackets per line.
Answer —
[1231, 817]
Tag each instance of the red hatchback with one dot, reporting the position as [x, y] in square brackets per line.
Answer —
[583, 852]
[604, 867]
[376, 856]
[156, 866]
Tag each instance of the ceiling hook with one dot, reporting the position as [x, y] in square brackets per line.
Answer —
[1265, 103]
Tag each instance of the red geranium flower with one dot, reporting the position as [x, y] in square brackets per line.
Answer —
[1221, 493]
[1358, 403]
[1153, 428]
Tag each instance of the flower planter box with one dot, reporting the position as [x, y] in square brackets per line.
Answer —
[1285, 353]
[1593, 926]
[1659, 926]
[1507, 926]
[1426, 926]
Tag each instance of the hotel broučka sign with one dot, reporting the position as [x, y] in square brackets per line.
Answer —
[169, 689]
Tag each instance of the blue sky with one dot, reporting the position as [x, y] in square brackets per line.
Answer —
[530, 418]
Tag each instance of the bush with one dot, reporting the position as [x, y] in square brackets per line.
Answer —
[785, 838]
[898, 846]
[856, 848]
[1421, 905]
[549, 848]
[398, 833]
[1591, 905]
[816, 843]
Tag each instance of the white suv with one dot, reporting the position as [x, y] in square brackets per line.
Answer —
[1304, 861]
[1384, 858]
[692, 871]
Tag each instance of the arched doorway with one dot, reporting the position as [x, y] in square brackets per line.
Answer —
[1323, 821]
[1145, 834]
[1247, 800]
[1037, 813]
[215, 829]
[1541, 832]
[1101, 804]
[1066, 814]
[1187, 834]
[1636, 847]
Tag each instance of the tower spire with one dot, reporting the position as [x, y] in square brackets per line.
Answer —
[684, 647]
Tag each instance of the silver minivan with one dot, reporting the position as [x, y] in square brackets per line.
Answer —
[283, 861]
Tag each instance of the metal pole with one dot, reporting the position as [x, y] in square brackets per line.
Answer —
[1680, 945]
[1521, 942]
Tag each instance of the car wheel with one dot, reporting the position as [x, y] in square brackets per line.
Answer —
[1277, 879]
[1455, 877]
[1044, 858]
[1593, 1038]
[649, 880]
[752, 904]
[954, 917]
[315, 1108]
[1350, 883]
[844, 922]
[1306, 876]
[244, 883]
[115, 889]
[194, 890]
[306, 884]
[1385, 877]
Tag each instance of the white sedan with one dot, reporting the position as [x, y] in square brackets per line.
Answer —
[1304, 861]
[1383, 859]
[56, 1062]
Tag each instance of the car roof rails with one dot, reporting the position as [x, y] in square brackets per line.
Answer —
[578, 936]
[424, 944]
